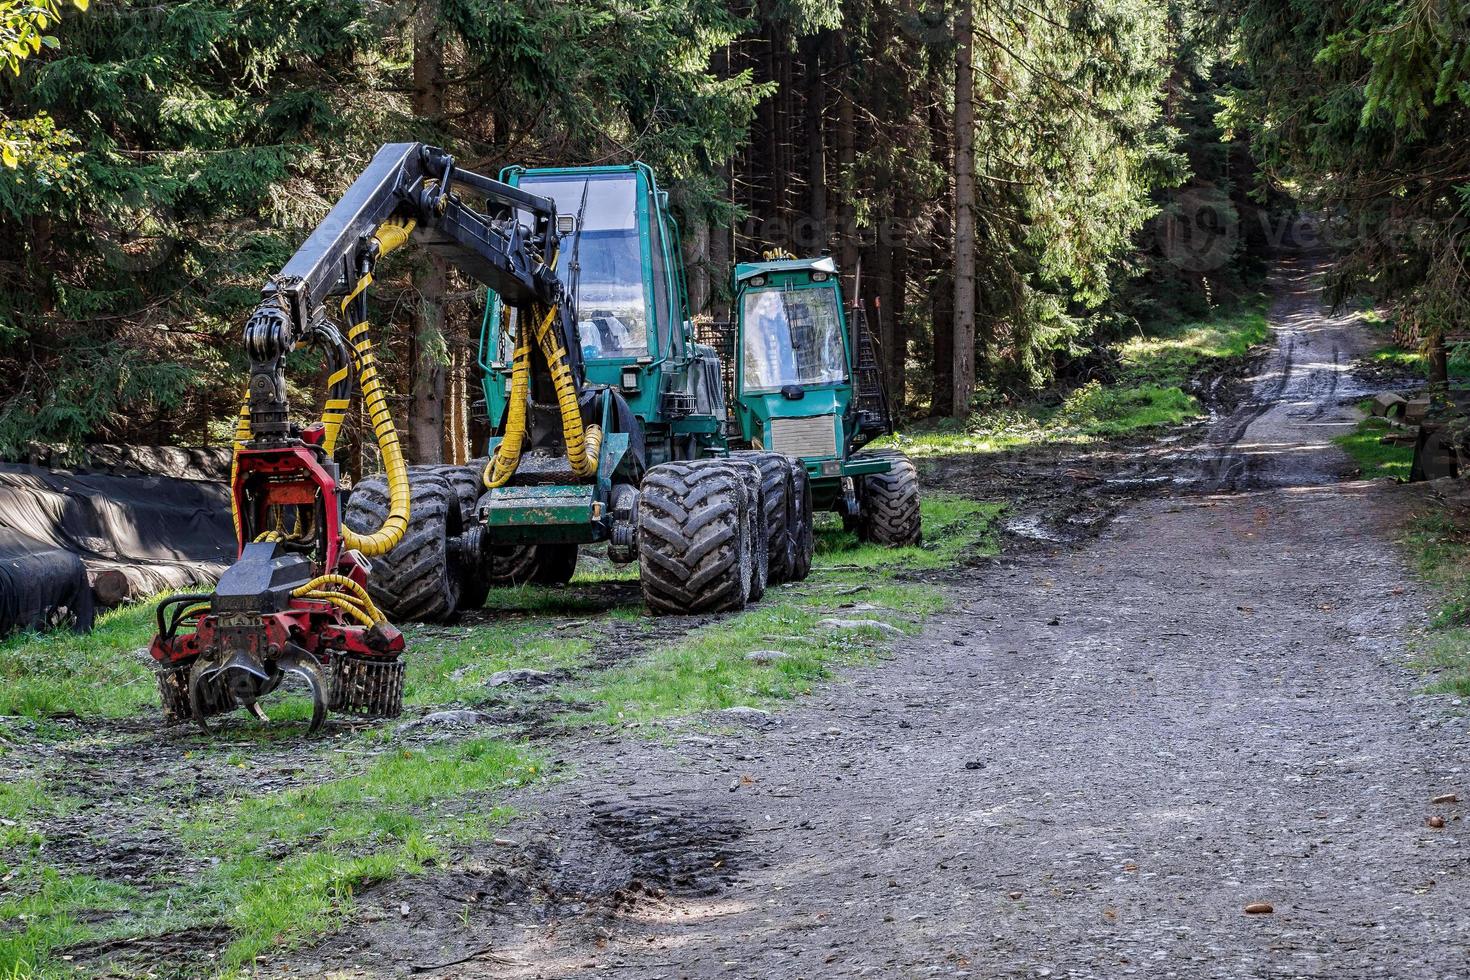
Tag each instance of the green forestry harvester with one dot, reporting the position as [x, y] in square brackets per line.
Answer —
[609, 425]
[808, 387]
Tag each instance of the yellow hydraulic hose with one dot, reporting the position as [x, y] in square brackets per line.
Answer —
[583, 442]
[502, 465]
[381, 541]
[393, 233]
[351, 598]
[335, 409]
[242, 436]
[574, 433]
[390, 235]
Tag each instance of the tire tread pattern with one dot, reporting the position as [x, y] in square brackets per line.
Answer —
[693, 552]
[891, 503]
[413, 582]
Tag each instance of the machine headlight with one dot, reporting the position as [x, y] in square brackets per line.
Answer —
[630, 378]
[831, 467]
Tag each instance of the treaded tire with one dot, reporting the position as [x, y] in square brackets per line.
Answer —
[780, 511]
[804, 543]
[467, 482]
[417, 580]
[755, 519]
[694, 553]
[890, 503]
[512, 564]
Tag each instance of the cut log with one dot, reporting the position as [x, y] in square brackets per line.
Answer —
[110, 587]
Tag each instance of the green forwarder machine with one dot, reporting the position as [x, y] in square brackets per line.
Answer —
[808, 387]
[612, 425]
[609, 425]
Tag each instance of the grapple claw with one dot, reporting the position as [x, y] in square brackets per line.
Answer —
[207, 696]
[301, 663]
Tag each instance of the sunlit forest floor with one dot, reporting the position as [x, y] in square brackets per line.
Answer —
[127, 847]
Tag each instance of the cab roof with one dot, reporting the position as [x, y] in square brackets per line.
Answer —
[746, 270]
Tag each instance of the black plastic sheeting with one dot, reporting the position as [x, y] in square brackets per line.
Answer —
[41, 587]
[159, 532]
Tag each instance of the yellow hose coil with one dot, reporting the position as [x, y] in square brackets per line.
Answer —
[583, 442]
[352, 598]
[335, 410]
[242, 436]
[390, 235]
[502, 465]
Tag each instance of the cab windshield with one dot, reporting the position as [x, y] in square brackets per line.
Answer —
[791, 337]
[612, 308]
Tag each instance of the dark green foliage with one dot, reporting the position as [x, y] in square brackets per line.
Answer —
[204, 139]
[1366, 108]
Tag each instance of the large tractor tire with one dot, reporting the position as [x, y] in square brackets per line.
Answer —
[780, 511]
[554, 564]
[419, 579]
[465, 480]
[694, 549]
[467, 483]
[755, 519]
[890, 503]
[803, 536]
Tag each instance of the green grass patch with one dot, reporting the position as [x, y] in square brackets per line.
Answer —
[708, 669]
[1414, 362]
[1146, 393]
[53, 913]
[288, 863]
[93, 674]
[23, 802]
[1375, 459]
[451, 664]
[1440, 546]
[392, 818]
[954, 527]
[1167, 354]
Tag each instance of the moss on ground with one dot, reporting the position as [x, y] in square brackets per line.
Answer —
[1146, 392]
[1376, 459]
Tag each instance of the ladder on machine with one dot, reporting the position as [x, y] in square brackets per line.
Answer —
[872, 400]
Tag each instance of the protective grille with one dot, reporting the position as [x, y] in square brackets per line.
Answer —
[815, 435]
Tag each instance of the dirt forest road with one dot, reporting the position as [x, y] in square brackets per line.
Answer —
[1089, 766]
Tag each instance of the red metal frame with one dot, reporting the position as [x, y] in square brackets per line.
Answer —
[291, 475]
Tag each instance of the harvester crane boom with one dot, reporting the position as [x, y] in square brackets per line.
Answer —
[416, 186]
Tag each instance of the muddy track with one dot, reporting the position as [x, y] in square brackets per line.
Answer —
[1089, 766]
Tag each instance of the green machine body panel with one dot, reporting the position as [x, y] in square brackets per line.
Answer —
[796, 364]
[623, 271]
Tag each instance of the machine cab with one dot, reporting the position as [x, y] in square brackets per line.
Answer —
[623, 269]
[794, 364]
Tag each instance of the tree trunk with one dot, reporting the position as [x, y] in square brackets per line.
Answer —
[846, 158]
[720, 244]
[941, 256]
[816, 152]
[431, 280]
[1439, 363]
[898, 352]
[964, 211]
